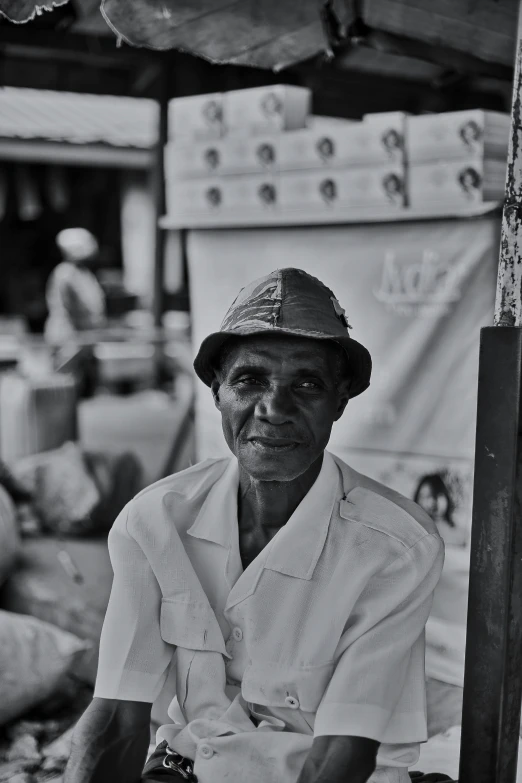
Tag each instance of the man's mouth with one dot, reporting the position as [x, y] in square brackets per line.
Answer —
[273, 445]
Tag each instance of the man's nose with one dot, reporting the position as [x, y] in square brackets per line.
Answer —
[276, 405]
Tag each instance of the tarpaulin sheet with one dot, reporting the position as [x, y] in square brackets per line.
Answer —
[20, 11]
[245, 32]
[276, 33]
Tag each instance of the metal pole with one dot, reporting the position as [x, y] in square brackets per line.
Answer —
[493, 666]
[508, 306]
[158, 182]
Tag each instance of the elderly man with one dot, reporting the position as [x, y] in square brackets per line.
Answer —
[278, 597]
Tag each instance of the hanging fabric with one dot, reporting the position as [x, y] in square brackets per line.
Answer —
[29, 202]
[3, 193]
[57, 188]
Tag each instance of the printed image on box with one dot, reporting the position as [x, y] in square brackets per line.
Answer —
[390, 129]
[456, 182]
[252, 192]
[378, 186]
[226, 196]
[273, 108]
[196, 117]
[250, 154]
[230, 155]
[194, 196]
[265, 153]
[344, 143]
[310, 148]
[192, 160]
[460, 134]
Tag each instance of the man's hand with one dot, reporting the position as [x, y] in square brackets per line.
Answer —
[339, 759]
[110, 742]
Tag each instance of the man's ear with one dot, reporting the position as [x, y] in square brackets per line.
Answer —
[214, 388]
[343, 397]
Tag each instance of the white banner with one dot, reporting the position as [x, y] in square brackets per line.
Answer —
[417, 295]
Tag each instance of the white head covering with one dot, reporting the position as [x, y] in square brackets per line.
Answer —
[77, 244]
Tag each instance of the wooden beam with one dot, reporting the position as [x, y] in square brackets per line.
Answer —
[493, 663]
[33, 151]
[461, 62]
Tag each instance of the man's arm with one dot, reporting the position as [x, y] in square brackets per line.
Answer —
[339, 759]
[380, 670]
[112, 737]
[110, 742]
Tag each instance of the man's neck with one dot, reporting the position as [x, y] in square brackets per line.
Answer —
[270, 504]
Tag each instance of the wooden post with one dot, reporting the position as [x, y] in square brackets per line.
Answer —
[158, 184]
[493, 667]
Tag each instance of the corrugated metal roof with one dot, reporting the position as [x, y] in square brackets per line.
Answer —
[78, 118]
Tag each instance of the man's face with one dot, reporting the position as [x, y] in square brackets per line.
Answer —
[279, 397]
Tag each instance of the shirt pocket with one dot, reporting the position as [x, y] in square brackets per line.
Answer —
[191, 624]
[293, 687]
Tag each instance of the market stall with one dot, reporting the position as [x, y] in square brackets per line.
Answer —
[492, 700]
[414, 282]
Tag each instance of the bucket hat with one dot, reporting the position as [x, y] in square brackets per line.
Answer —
[287, 302]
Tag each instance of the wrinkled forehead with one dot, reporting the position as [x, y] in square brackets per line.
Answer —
[274, 350]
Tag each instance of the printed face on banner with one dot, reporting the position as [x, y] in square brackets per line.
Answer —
[446, 497]
[443, 487]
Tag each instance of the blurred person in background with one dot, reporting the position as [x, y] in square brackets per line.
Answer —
[76, 304]
[75, 298]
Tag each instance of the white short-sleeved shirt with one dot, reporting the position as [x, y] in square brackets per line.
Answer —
[75, 300]
[322, 634]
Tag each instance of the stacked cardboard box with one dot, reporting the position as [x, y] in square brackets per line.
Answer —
[256, 151]
[346, 166]
[234, 166]
[457, 159]
[259, 151]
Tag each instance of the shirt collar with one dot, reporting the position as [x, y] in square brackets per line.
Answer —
[297, 546]
[217, 517]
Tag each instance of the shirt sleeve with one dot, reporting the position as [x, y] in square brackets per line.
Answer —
[134, 659]
[377, 689]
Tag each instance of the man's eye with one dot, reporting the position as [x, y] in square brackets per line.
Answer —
[309, 385]
[248, 381]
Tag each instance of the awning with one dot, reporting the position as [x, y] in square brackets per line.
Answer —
[43, 125]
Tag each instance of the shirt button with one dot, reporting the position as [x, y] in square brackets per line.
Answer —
[205, 751]
[237, 633]
[292, 702]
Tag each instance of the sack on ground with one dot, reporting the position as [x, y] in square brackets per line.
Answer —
[9, 537]
[64, 493]
[36, 661]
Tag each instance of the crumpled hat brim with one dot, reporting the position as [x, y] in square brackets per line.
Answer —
[359, 359]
